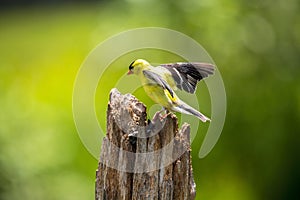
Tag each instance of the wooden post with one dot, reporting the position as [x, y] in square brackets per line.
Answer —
[143, 159]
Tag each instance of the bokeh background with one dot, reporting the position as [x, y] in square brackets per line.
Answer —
[256, 46]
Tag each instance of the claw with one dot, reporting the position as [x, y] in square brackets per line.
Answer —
[165, 115]
[157, 116]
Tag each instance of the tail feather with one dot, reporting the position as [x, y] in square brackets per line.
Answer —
[186, 109]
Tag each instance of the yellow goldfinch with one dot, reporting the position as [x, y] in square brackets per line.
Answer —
[161, 81]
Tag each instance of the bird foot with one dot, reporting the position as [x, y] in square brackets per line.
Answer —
[165, 115]
[157, 116]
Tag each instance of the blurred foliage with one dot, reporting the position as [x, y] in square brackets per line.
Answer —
[256, 46]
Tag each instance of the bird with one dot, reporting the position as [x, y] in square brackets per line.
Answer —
[160, 82]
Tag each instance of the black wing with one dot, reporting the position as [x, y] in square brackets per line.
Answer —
[187, 75]
[158, 79]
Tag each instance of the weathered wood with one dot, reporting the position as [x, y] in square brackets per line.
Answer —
[143, 159]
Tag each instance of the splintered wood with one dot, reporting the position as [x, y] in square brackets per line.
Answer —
[143, 159]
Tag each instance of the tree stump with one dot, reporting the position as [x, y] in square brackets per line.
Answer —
[143, 159]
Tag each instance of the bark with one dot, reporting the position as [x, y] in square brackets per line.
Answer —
[143, 159]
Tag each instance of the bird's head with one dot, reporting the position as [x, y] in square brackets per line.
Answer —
[137, 66]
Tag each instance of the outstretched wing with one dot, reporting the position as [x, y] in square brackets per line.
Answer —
[187, 75]
[158, 80]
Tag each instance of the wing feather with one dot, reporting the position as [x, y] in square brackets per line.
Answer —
[187, 75]
[158, 80]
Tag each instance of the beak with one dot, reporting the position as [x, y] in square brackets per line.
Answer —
[129, 72]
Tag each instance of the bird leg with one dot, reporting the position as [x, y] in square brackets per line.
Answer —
[166, 114]
[159, 116]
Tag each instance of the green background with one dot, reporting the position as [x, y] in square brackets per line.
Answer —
[256, 46]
